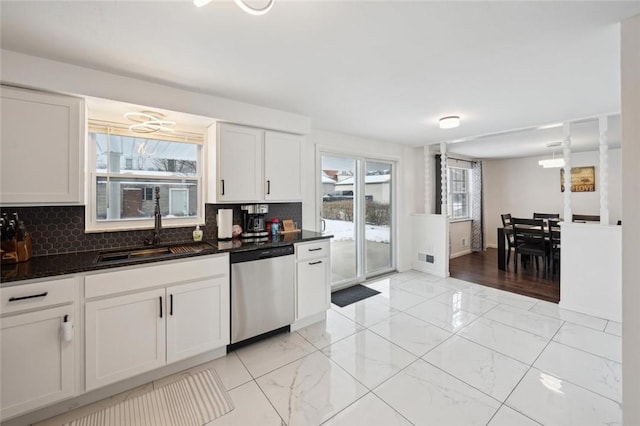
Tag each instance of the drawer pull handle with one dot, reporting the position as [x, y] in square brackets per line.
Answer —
[160, 306]
[316, 249]
[316, 262]
[15, 299]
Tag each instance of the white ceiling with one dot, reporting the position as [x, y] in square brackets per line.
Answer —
[385, 70]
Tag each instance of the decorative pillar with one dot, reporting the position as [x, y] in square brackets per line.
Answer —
[603, 181]
[444, 210]
[428, 186]
[566, 151]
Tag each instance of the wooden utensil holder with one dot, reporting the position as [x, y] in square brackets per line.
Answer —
[14, 251]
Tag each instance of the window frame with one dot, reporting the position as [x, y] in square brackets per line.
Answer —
[93, 225]
[466, 193]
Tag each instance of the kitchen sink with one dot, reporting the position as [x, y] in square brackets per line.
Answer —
[136, 254]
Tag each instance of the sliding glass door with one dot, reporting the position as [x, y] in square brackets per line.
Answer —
[356, 208]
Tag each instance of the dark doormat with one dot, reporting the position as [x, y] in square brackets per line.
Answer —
[351, 295]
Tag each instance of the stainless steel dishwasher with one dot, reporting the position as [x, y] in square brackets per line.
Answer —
[262, 292]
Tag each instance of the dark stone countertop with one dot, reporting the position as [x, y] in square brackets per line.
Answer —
[73, 263]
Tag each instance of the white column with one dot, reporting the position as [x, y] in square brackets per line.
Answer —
[428, 186]
[566, 151]
[444, 209]
[603, 181]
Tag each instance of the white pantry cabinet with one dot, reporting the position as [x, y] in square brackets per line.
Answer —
[38, 365]
[140, 318]
[42, 140]
[252, 165]
[313, 273]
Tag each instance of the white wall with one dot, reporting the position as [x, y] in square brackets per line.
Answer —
[521, 187]
[459, 231]
[630, 53]
[346, 144]
[429, 234]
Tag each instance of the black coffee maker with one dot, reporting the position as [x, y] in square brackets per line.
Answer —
[254, 225]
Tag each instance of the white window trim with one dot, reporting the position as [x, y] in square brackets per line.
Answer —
[469, 216]
[94, 226]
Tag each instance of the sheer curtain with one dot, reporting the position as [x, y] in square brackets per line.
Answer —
[477, 208]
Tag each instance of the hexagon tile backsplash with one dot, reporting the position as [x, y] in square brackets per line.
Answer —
[60, 229]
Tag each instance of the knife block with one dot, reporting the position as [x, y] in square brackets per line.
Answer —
[14, 251]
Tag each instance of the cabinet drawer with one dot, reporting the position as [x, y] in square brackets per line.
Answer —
[312, 250]
[38, 295]
[153, 275]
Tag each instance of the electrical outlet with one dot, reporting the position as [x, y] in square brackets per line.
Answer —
[464, 242]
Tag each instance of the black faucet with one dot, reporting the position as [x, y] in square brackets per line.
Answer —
[157, 218]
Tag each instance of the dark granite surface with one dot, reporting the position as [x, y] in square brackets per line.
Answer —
[63, 264]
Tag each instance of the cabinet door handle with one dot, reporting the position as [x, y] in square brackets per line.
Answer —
[171, 304]
[160, 306]
[316, 249]
[316, 262]
[268, 187]
[15, 299]
[222, 180]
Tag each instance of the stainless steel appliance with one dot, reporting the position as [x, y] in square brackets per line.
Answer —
[255, 227]
[262, 292]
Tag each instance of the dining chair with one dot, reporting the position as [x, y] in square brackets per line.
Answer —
[585, 218]
[508, 226]
[530, 238]
[554, 245]
[546, 215]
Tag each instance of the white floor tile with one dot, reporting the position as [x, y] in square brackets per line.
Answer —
[614, 328]
[366, 312]
[505, 297]
[457, 284]
[509, 417]
[251, 408]
[510, 341]
[492, 373]
[426, 395]
[525, 320]
[231, 371]
[368, 357]
[267, 355]
[370, 411]
[334, 328]
[589, 340]
[553, 401]
[592, 372]
[422, 288]
[553, 310]
[461, 300]
[395, 297]
[441, 315]
[310, 390]
[410, 333]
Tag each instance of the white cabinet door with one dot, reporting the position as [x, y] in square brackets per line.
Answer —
[198, 317]
[312, 287]
[37, 366]
[41, 148]
[282, 158]
[239, 162]
[124, 336]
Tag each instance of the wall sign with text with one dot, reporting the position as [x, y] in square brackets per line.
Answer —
[583, 179]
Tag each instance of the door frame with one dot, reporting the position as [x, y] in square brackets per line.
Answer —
[361, 266]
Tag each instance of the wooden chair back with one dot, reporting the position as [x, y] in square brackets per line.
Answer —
[585, 218]
[546, 215]
[530, 235]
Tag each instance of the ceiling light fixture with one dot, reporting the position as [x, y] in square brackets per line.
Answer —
[551, 163]
[149, 122]
[449, 122]
[257, 11]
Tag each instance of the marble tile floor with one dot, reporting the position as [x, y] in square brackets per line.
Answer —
[431, 351]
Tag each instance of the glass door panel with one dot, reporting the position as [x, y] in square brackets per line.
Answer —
[338, 213]
[377, 217]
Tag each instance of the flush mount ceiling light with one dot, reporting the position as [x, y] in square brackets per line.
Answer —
[242, 5]
[149, 122]
[449, 122]
[554, 162]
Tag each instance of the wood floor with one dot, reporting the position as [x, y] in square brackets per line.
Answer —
[482, 268]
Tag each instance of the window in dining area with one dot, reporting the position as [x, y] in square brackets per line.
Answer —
[459, 196]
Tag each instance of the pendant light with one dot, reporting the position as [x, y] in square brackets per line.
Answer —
[242, 5]
[551, 163]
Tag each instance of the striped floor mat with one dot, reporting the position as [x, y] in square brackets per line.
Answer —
[191, 401]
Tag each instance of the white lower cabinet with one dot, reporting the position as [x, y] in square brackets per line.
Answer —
[129, 334]
[312, 278]
[38, 365]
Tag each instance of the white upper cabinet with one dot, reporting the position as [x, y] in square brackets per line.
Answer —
[252, 165]
[41, 148]
[282, 157]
